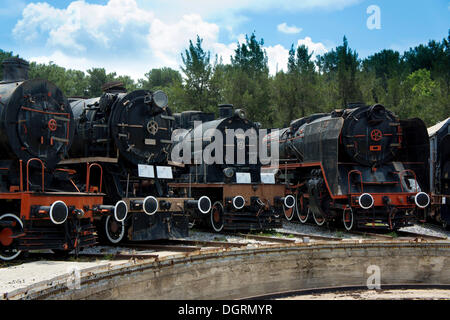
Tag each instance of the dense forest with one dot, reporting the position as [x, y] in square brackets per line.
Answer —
[413, 84]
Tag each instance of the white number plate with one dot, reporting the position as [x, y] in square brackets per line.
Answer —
[267, 178]
[146, 171]
[164, 172]
[243, 177]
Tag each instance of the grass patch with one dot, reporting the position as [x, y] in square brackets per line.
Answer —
[271, 233]
[393, 234]
[108, 256]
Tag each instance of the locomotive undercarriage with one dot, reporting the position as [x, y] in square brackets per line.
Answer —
[167, 218]
[35, 228]
[237, 207]
[315, 203]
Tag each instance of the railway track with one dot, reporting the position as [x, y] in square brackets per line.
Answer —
[399, 235]
[345, 289]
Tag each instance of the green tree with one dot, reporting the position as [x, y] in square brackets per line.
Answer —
[247, 83]
[71, 82]
[341, 66]
[420, 97]
[198, 71]
[160, 78]
[96, 79]
[294, 92]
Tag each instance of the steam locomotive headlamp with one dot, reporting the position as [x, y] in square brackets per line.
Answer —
[240, 113]
[365, 201]
[204, 204]
[238, 202]
[150, 205]
[228, 172]
[160, 99]
[58, 212]
[120, 211]
[79, 213]
[422, 200]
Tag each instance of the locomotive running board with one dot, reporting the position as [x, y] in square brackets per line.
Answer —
[89, 159]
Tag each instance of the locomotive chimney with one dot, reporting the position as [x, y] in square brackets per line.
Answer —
[225, 111]
[15, 69]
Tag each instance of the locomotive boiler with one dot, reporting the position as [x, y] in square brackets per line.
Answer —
[440, 172]
[219, 158]
[361, 165]
[129, 133]
[40, 207]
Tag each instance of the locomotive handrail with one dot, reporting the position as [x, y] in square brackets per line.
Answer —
[88, 173]
[42, 173]
[348, 178]
[21, 175]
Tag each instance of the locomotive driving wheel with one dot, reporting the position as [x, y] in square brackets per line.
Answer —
[303, 212]
[15, 226]
[348, 219]
[318, 217]
[112, 231]
[216, 216]
[289, 213]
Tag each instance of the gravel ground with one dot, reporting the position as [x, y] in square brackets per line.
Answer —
[315, 230]
[425, 229]
[422, 294]
[210, 236]
[428, 229]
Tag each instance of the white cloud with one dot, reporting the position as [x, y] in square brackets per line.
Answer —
[278, 55]
[316, 48]
[288, 29]
[82, 23]
[167, 41]
[125, 38]
[277, 58]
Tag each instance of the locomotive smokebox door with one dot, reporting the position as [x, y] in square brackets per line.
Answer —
[142, 127]
[36, 119]
[372, 135]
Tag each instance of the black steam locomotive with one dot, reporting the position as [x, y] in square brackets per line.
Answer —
[41, 207]
[361, 165]
[440, 172]
[219, 158]
[130, 135]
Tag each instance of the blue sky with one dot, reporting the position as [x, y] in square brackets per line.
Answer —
[133, 36]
